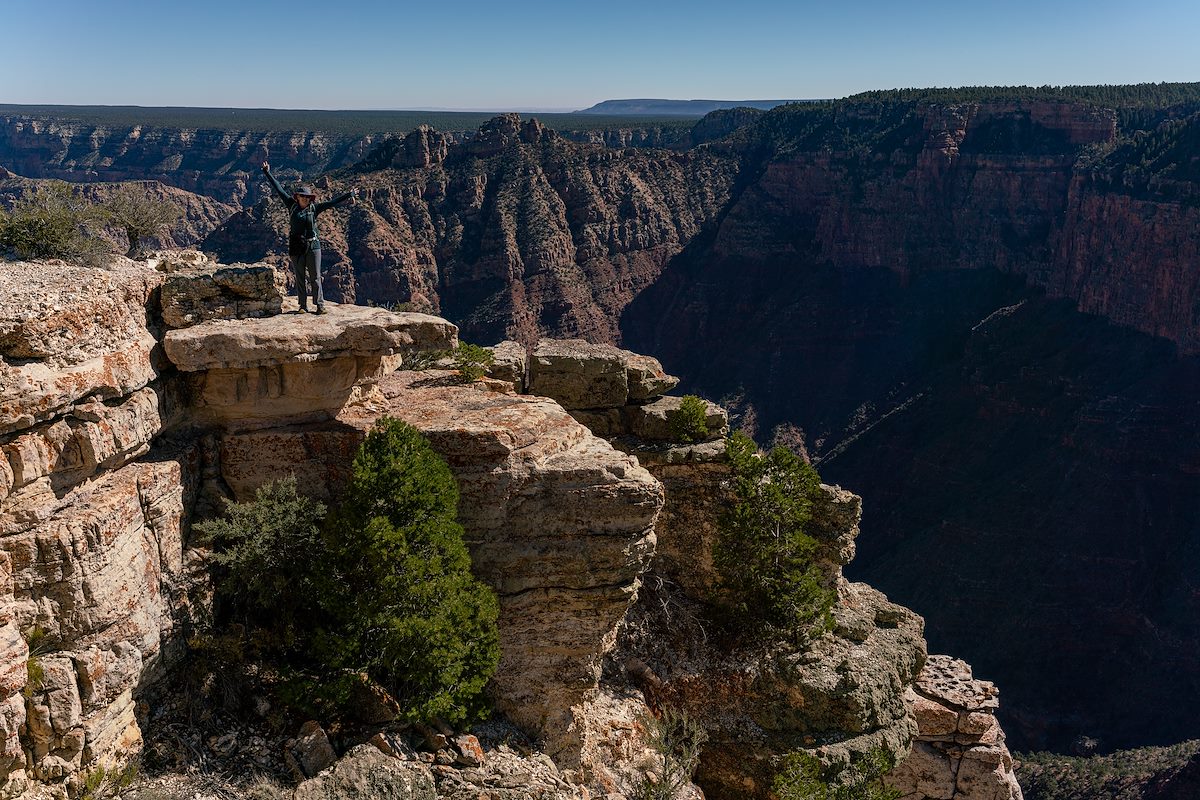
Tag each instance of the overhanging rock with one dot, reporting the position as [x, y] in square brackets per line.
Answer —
[296, 367]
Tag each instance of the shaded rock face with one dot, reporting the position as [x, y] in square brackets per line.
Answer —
[848, 296]
[1072, 459]
[558, 523]
[839, 697]
[959, 752]
[512, 233]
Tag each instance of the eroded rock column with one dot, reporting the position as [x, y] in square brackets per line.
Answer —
[959, 753]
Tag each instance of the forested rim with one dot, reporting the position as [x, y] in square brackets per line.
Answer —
[343, 123]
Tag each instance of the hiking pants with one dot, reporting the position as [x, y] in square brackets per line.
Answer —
[308, 278]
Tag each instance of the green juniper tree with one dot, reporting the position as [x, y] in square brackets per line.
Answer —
[764, 554]
[401, 602]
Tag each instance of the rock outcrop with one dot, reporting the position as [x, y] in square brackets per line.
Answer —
[99, 477]
[100, 580]
[296, 367]
[959, 752]
[558, 523]
[93, 525]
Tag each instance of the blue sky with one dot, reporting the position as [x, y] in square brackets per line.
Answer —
[570, 54]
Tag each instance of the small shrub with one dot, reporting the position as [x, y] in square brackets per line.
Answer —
[678, 740]
[38, 642]
[132, 208]
[425, 359]
[689, 422]
[103, 782]
[803, 777]
[763, 555]
[53, 221]
[267, 551]
[471, 360]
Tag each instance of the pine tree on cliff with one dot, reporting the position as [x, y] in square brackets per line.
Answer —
[403, 604]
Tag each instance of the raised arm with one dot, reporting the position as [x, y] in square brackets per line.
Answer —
[341, 198]
[284, 196]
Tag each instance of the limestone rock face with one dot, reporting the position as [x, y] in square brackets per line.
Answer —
[94, 436]
[93, 565]
[205, 292]
[959, 753]
[101, 572]
[580, 375]
[294, 367]
[69, 332]
[557, 521]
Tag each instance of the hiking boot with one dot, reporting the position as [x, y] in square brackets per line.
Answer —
[320, 309]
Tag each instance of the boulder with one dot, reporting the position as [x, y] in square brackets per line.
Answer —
[582, 375]
[210, 291]
[653, 420]
[365, 773]
[509, 364]
[310, 752]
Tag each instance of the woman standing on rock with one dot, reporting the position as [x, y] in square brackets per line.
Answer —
[304, 248]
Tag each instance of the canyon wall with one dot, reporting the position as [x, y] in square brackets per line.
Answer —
[513, 233]
[901, 287]
[944, 310]
[222, 164]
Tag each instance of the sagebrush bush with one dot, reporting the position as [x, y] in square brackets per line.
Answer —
[678, 741]
[139, 214]
[803, 777]
[689, 422]
[764, 555]
[54, 221]
[471, 360]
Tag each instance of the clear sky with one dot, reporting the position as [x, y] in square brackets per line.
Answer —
[535, 54]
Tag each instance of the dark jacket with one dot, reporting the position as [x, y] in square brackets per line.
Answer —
[302, 229]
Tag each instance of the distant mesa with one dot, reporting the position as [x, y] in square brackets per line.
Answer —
[677, 108]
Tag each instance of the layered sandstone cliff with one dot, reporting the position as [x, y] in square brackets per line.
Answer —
[119, 429]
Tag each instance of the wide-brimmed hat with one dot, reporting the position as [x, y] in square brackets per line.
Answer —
[305, 190]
